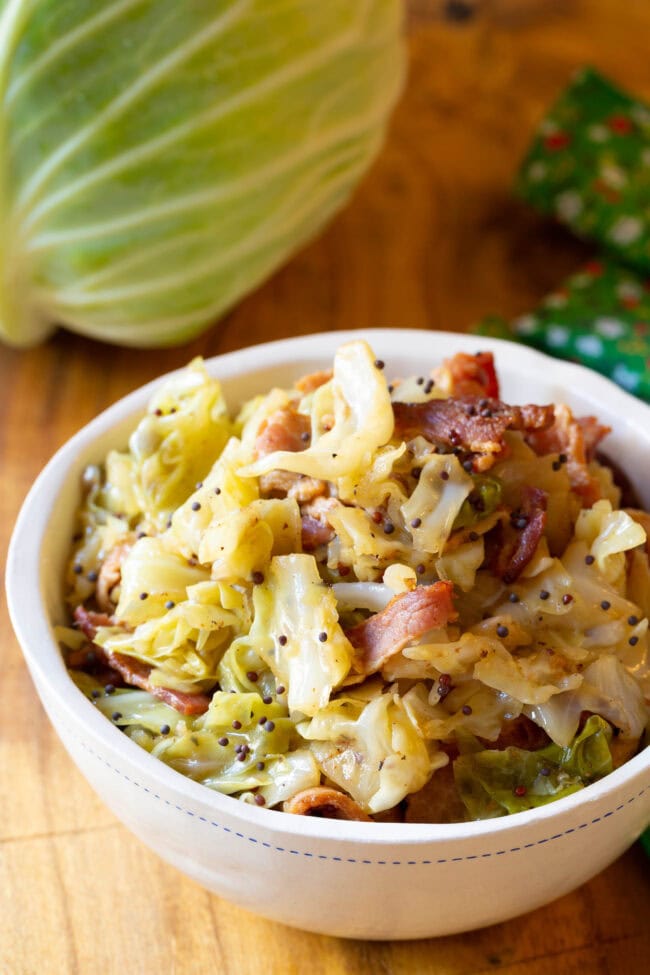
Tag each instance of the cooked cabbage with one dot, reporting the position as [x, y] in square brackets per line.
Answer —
[372, 750]
[354, 609]
[363, 422]
[162, 158]
[315, 655]
[492, 783]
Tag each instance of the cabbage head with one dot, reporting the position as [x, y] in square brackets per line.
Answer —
[161, 158]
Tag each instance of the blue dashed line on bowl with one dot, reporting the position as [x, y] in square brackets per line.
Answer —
[336, 859]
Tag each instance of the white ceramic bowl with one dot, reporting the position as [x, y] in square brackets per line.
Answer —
[352, 879]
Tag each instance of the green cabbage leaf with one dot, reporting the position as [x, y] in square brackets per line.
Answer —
[492, 783]
[162, 158]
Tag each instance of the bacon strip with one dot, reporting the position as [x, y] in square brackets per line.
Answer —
[286, 429]
[315, 533]
[510, 549]
[404, 619]
[328, 803]
[133, 671]
[477, 426]
[313, 380]
[472, 375]
[577, 439]
[110, 575]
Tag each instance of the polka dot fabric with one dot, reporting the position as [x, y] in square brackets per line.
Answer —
[599, 317]
[589, 166]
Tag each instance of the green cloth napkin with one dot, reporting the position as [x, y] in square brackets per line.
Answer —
[599, 316]
[589, 166]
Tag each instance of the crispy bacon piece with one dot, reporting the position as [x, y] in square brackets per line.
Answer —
[110, 575]
[88, 621]
[286, 429]
[577, 439]
[472, 375]
[477, 426]
[510, 548]
[133, 671]
[137, 674]
[405, 618]
[315, 533]
[316, 529]
[312, 381]
[325, 802]
[306, 489]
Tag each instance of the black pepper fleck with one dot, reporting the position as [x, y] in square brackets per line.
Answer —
[170, 604]
[144, 595]
[258, 578]
[223, 740]
[252, 675]
[589, 560]
[196, 506]
[260, 800]
[444, 475]
[379, 363]
[269, 726]
[513, 597]
[605, 604]
[165, 729]
[236, 725]
[633, 620]
[116, 715]
[466, 709]
[282, 640]
[416, 522]
[322, 636]
[502, 630]
[633, 641]
[544, 594]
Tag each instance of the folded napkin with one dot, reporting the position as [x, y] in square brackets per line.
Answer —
[599, 316]
[589, 166]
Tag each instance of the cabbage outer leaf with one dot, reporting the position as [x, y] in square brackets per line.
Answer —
[161, 158]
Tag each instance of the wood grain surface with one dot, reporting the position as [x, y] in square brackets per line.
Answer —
[433, 239]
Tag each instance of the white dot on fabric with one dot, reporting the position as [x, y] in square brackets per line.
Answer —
[557, 336]
[625, 377]
[609, 328]
[589, 345]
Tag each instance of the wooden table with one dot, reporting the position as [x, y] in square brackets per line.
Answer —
[433, 239]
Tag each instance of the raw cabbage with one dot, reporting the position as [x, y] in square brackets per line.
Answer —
[161, 158]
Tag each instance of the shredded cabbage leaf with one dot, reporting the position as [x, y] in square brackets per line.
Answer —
[273, 585]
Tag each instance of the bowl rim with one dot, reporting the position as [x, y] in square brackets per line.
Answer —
[33, 627]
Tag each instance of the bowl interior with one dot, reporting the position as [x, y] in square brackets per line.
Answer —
[43, 534]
